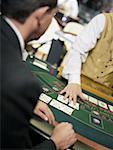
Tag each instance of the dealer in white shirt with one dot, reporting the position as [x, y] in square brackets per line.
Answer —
[84, 43]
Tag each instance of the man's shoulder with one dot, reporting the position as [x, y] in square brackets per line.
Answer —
[99, 17]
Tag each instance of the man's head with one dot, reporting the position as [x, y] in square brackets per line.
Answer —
[34, 13]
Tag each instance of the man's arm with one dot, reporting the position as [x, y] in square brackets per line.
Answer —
[46, 145]
[63, 135]
[84, 42]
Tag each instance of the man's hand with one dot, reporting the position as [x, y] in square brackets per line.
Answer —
[44, 112]
[72, 90]
[63, 136]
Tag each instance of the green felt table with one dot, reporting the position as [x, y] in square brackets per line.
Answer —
[81, 119]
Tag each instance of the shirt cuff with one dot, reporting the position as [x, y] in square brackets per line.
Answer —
[54, 145]
[74, 78]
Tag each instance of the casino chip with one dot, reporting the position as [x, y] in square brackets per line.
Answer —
[45, 89]
[55, 89]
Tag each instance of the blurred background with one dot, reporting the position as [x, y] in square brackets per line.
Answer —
[68, 22]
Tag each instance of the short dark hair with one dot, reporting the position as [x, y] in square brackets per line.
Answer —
[21, 9]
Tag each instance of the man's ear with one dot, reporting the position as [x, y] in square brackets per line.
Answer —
[39, 13]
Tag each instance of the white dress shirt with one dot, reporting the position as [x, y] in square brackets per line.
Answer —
[84, 42]
[20, 38]
[70, 7]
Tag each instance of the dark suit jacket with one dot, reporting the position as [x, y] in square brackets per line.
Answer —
[20, 91]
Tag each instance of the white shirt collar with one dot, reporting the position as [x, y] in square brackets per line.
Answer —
[20, 38]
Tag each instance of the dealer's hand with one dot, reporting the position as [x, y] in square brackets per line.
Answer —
[44, 112]
[72, 90]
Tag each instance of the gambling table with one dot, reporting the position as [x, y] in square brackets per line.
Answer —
[92, 118]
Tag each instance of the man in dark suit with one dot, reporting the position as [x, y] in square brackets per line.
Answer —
[22, 20]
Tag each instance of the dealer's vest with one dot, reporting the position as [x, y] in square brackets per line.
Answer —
[99, 63]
